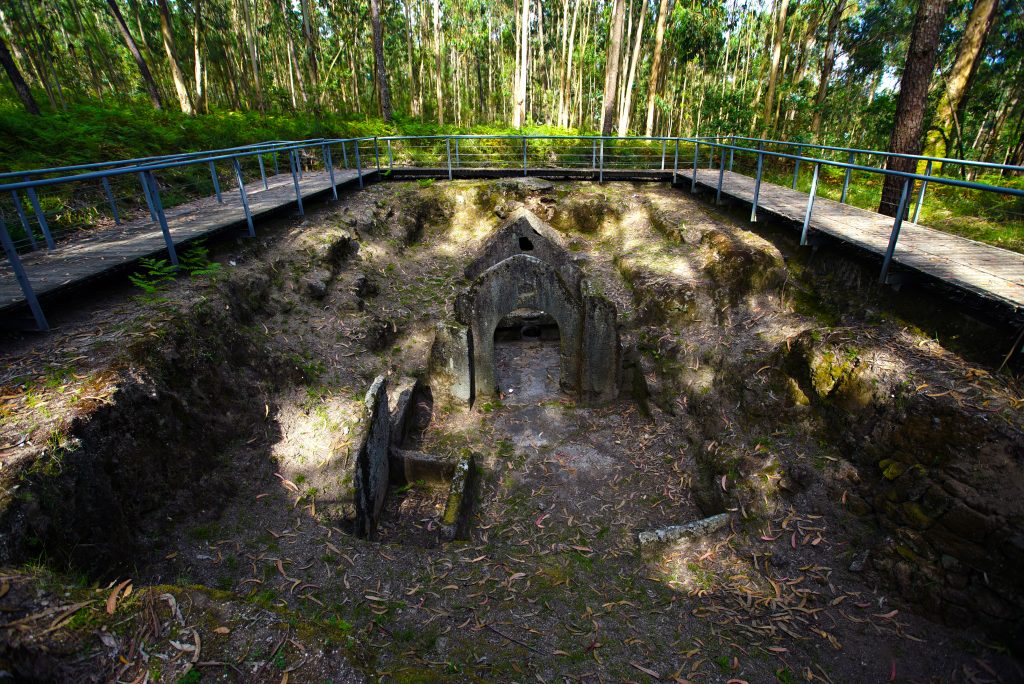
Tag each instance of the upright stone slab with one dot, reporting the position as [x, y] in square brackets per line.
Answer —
[399, 404]
[601, 364]
[451, 370]
[371, 450]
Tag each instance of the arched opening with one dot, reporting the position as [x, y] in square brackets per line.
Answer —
[527, 357]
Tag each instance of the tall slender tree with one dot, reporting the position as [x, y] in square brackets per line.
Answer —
[17, 80]
[908, 126]
[167, 33]
[611, 68]
[383, 89]
[946, 124]
[147, 76]
[652, 86]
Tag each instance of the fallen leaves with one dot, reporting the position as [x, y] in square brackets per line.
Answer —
[112, 599]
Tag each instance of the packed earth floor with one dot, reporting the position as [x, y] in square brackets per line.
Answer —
[166, 513]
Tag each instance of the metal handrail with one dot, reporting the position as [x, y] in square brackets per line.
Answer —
[877, 153]
[141, 160]
[145, 167]
[159, 166]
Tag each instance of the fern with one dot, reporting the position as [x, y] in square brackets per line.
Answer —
[154, 276]
[196, 261]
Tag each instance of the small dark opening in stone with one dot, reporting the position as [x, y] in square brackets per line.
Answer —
[525, 244]
[530, 332]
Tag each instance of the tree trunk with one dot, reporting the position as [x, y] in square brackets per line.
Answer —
[197, 41]
[147, 77]
[828, 62]
[773, 73]
[439, 85]
[383, 89]
[946, 126]
[413, 100]
[309, 30]
[652, 86]
[611, 70]
[167, 32]
[17, 80]
[913, 100]
[519, 101]
[254, 61]
[627, 98]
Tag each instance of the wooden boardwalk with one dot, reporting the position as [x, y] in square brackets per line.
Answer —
[96, 252]
[990, 272]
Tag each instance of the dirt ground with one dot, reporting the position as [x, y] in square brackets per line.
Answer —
[241, 571]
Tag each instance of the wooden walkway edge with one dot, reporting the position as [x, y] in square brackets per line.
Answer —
[990, 272]
[97, 252]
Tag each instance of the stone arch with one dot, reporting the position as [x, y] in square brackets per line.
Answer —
[521, 282]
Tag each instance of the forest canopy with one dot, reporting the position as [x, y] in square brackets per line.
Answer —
[812, 70]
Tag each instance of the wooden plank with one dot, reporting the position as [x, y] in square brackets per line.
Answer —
[986, 270]
[92, 253]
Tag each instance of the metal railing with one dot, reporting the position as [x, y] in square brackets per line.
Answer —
[63, 199]
[95, 188]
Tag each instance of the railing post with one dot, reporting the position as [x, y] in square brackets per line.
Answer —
[391, 158]
[149, 199]
[216, 181]
[158, 206]
[376, 152]
[297, 155]
[33, 198]
[359, 163]
[810, 206]
[295, 182]
[263, 172]
[457, 160]
[344, 155]
[663, 143]
[245, 199]
[920, 193]
[600, 168]
[277, 169]
[524, 155]
[796, 167]
[24, 220]
[895, 235]
[110, 200]
[721, 177]
[846, 178]
[19, 273]
[675, 163]
[732, 154]
[696, 159]
[329, 165]
[593, 154]
[448, 151]
[757, 185]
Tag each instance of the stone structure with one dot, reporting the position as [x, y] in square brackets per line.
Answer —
[525, 265]
[371, 472]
